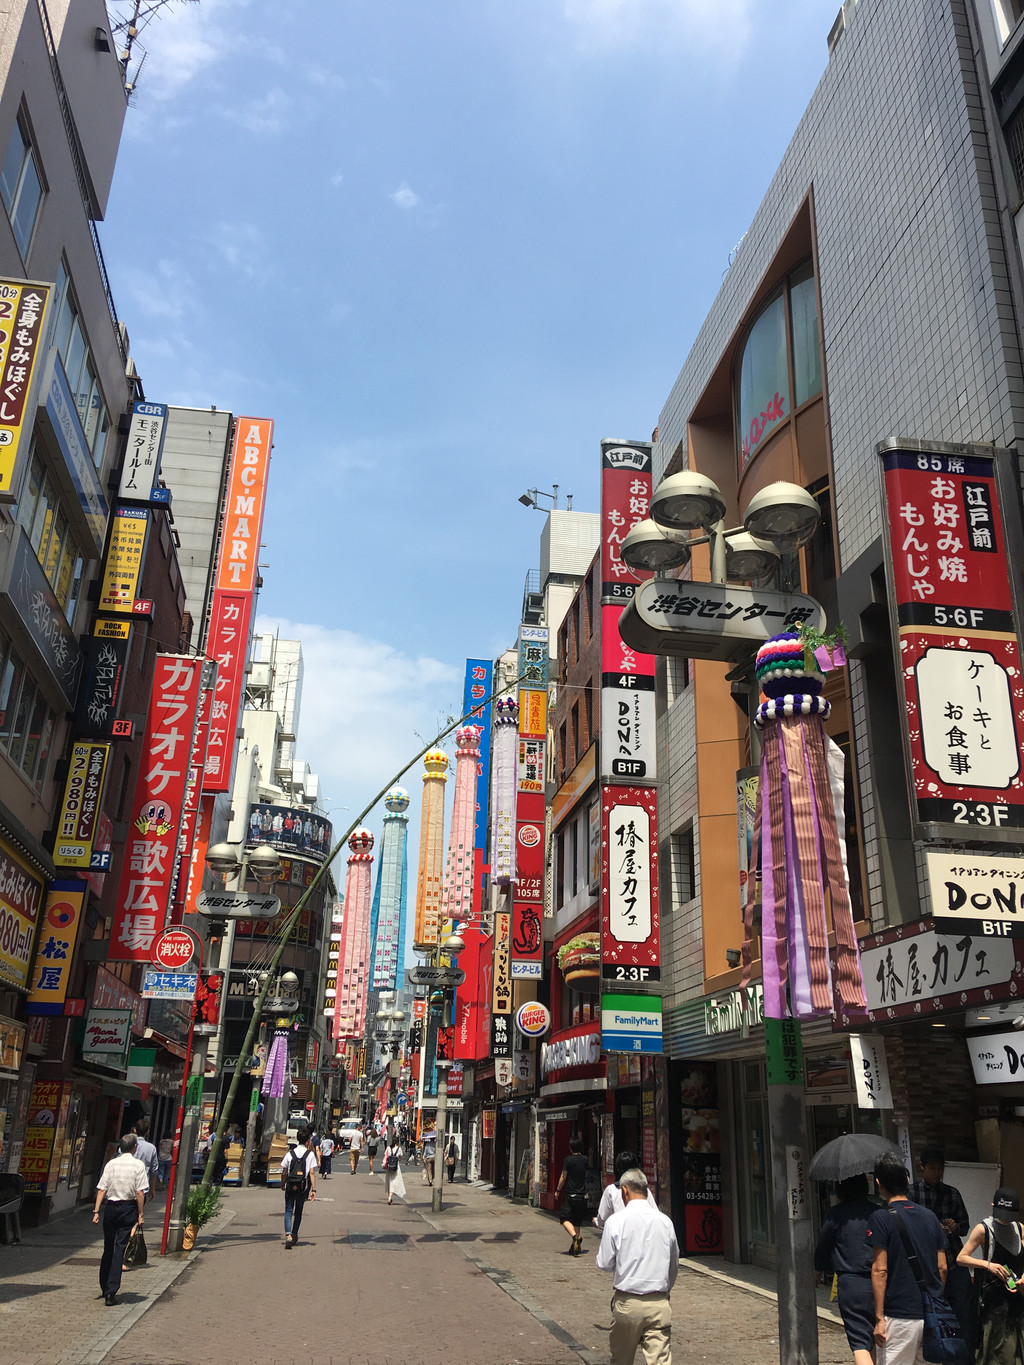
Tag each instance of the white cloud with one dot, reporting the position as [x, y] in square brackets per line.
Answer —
[162, 293]
[266, 115]
[337, 179]
[242, 247]
[364, 702]
[719, 24]
[405, 197]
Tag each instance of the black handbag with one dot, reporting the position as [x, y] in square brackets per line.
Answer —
[943, 1343]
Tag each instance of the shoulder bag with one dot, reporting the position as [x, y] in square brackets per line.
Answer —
[943, 1343]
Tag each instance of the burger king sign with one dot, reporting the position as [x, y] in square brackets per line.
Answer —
[533, 1019]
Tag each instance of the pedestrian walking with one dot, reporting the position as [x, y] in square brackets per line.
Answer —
[372, 1139]
[451, 1157]
[429, 1149]
[898, 1307]
[573, 1181]
[945, 1201]
[165, 1155]
[355, 1146]
[147, 1154]
[1000, 1301]
[394, 1182]
[121, 1191]
[326, 1154]
[843, 1250]
[639, 1248]
[298, 1176]
[611, 1196]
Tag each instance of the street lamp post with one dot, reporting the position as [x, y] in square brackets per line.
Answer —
[780, 519]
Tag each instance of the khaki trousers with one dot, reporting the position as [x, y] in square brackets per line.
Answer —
[641, 1320]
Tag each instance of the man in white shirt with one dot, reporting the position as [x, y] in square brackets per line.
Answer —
[298, 1176]
[639, 1247]
[355, 1147]
[123, 1186]
[611, 1197]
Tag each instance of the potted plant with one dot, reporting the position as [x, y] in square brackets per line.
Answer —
[203, 1203]
[579, 959]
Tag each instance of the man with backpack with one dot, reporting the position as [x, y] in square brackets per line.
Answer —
[298, 1176]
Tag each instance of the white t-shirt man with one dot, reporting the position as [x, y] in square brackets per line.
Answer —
[356, 1145]
[612, 1202]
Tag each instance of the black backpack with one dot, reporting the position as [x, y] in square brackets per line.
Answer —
[296, 1178]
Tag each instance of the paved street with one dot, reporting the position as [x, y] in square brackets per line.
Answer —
[488, 1280]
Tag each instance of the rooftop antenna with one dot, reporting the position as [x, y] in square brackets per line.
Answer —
[127, 26]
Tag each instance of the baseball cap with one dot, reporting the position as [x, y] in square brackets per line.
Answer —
[1006, 1199]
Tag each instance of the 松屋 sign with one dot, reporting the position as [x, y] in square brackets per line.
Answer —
[954, 531]
[976, 893]
[630, 923]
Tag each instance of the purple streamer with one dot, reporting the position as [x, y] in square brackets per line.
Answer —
[277, 1066]
[799, 955]
[774, 999]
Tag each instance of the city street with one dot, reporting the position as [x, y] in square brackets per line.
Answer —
[487, 1280]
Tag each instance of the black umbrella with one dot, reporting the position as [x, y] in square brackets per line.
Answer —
[851, 1154]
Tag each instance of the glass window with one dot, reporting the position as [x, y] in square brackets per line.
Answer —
[764, 378]
[20, 187]
[803, 311]
[75, 357]
[22, 714]
[10, 687]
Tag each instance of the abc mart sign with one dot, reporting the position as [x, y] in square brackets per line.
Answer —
[582, 1050]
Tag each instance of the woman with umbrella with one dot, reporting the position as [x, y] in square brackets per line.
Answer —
[843, 1244]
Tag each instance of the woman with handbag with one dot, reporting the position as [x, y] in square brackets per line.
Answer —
[1000, 1301]
[451, 1157]
[393, 1181]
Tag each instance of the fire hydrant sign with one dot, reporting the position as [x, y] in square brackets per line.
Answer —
[950, 539]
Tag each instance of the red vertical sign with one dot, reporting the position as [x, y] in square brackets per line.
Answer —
[958, 652]
[228, 646]
[149, 856]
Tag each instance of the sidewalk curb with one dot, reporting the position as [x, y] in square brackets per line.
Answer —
[94, 1346]
[504, 1281]
[825, 1314]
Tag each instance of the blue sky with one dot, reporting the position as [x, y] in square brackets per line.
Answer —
[448, 245]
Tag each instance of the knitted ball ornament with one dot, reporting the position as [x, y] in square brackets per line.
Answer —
[781, 667]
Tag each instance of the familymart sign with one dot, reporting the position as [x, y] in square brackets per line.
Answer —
[631, 1023]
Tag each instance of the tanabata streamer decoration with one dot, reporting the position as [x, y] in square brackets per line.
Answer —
[798, 836]
[277, 1066]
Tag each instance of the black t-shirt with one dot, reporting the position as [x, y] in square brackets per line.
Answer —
[575, 1168]
[902, 1294]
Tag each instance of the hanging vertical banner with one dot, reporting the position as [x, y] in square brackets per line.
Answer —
[51, 971]
[104, 659]
[630, 924]
[22, 309]
[193, 794]
[228, 646]
[501, 996]
[628, 749]
[80, 806]
[142, 453]
[144, 890]
[243, 508]
[526, 938]
[954, 530]
[122, 567]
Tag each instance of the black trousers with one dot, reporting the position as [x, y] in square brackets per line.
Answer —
[119, 1217]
